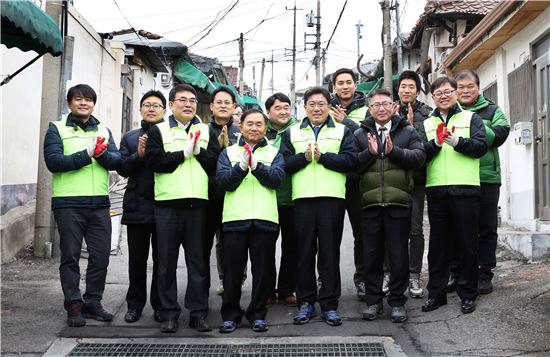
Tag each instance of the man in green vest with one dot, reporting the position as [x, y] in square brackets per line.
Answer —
[280, 120]
[318, 153]
[497, 129]
[389, 149]
[80, 151]
[349, 107]
[249, 172]
[454, 141]
[182, 152]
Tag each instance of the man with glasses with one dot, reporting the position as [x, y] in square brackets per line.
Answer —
[455, 139]
[182, 152]
[318, 153]
[138, 205]
[222, 106]
[389, 149]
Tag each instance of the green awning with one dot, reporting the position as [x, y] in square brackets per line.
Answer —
[240, 100]
[185, 72]
[251, 100]
[29, 28]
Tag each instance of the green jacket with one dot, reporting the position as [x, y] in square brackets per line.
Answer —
[497, 128]
[284, 192]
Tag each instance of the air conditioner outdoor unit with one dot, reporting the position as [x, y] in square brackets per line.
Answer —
[165, 79]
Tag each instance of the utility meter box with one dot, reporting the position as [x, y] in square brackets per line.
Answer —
[523, 133]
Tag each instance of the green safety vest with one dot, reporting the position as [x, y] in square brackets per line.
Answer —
[90, 180]
[358, 114]
[251, 200]
[188, 180]
[449, 167]
[315, 180]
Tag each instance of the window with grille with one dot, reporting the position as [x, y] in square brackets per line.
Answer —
[520, 93]
[491, 92]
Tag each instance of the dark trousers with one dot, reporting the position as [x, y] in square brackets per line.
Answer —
[181, 227]
[386, 232]
[453, 227]
[286, 285]
[237, 245]
[319, 221]
[214, 230]
[353, 207]
[94, 225]
[488, 222]
[416, 239]
[140, 237]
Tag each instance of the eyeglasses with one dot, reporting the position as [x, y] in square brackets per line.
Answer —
[184, 100]
[314, 104]
[223, 102]
[446, 93]
[386, 105]
[149, 106]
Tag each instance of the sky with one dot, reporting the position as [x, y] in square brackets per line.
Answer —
[267, 26]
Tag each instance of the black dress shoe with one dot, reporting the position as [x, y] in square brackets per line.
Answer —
[199, 324]
[132, 315]
[485, 286]
[468, 306]
[169, 326]
[157, 316]
[433, 304]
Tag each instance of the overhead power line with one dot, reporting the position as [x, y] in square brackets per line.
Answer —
[213, 24]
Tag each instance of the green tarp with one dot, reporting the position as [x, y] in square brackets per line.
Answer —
[29, 28]
[367, 87]
[240, 100]
[185, 72]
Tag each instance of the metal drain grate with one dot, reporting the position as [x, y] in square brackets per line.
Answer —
[226, 350]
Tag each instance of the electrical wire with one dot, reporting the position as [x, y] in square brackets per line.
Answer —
[213, 24]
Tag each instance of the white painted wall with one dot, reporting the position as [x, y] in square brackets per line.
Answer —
[20, 123]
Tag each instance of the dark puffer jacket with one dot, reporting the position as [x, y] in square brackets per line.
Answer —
[387, 180]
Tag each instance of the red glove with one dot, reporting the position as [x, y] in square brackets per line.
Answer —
[100, 146]
[441, 133]
[249, 151]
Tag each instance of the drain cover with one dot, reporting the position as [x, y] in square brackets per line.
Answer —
[228, 350]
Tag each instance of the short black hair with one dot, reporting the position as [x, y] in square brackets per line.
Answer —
[440, 82]
[341, 71]
[465, 73]
[180, 88]
[225, 90]
[154, 93]
[408, 74]
[271, 100]
[317, 90]
[252, 111]
[82, 90]
[380, 91]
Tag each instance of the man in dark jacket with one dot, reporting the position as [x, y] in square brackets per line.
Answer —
[138, 206]
[389, 149]
[318, 153]
[497, 129]
[349, 107]
[80, 151]
[222, 106]
[454, 141]
[182, 152]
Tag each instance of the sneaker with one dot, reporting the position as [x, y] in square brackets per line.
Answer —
[331, 317]
[305, 312]
[372, 311]
[259, 326]
[398, 314]
[361, 290]
[132, 315]
[386, 283]
[415, 289]
[96, 312]
[199, 324]
[229, 326]
[74, 315]
[219, 290]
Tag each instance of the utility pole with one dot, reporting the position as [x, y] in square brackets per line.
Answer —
[398, 34]
[272, 73]
[293, 76]
[386, 43]
[241, 64]
[254, 80]
[324, 66]
[359, 25]
[261, 80]
[318, 45]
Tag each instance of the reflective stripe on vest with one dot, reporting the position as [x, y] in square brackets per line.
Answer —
[90, 180]
[188, 180]
[315, 180]
[358, 114]
[449, 167]
[251, 200]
